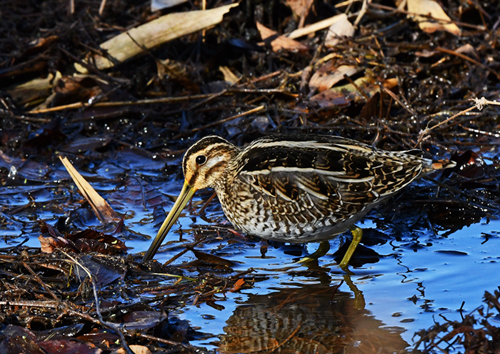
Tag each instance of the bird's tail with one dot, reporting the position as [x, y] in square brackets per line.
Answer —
[442, 164]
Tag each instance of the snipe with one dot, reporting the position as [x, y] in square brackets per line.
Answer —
[302, 188]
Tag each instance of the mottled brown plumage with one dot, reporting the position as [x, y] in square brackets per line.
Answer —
[298, 189]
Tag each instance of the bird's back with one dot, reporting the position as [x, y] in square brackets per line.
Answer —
[309, 188]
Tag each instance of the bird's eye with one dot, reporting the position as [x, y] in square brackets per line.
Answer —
[201, 159]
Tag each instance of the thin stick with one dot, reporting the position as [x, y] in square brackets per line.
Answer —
[440, 20]
[39, 281]
[213, 124]
[479, 104]
[98, 307]
[465, 57]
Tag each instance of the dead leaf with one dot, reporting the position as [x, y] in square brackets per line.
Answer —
[439, 20]
[300, 8]
[338, 30]
[81, 145]
[171, 68]
[237, 286]
[369, 86]
[33, 90]
[136, 349]
[468, 50]
[94, 241]
[67, 346]
[49, 244]
[101, 208]
[166, 28]
[279, 42]
[212, 259]
[343, 95]
[328, 75]
[141, 320]
[329, 98]
[39, 44]
[228, 75]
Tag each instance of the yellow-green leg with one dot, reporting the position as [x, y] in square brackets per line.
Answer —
[323, 249]
[357, 234]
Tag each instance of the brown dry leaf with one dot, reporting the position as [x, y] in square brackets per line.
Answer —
[33, 90]
[93, 241]
[166, 28]
[328, 75]
[338, 30]
[329, 98]
[101, 208]
[49, 244]
[71, 89]
[369, 86]
[228, 75]
[300, 8]
[342, 95]
[174, 69]
[468, 50]
[136, 349]
[237, 286]
[279, 42]
[40, 44]
[440, 20]
[212, 259]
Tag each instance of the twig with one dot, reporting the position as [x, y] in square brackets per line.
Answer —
[288, 338]
[356, 86]
[465, 57]
[479, 104]
[405, 106]
[205, 205]
[440, 20]
[101, 8]
[213, 124]
[188, 248]
[97, 306]
[79, 105]
[39, 281]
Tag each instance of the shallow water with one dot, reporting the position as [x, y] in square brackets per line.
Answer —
[420, 275]
[407, 290]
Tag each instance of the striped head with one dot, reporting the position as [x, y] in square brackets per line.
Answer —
[205, 162]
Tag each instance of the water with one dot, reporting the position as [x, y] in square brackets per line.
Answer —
[421, 276]
[407, 290]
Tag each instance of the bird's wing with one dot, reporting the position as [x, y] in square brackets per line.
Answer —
[332, 171]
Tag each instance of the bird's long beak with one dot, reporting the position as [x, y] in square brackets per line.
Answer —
[184, 197]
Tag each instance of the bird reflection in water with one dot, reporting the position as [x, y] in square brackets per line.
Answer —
[307, 319]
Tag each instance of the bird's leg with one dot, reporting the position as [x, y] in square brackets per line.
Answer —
[357, 234]
[323, 248]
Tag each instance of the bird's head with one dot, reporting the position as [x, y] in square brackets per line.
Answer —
[205, 162]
